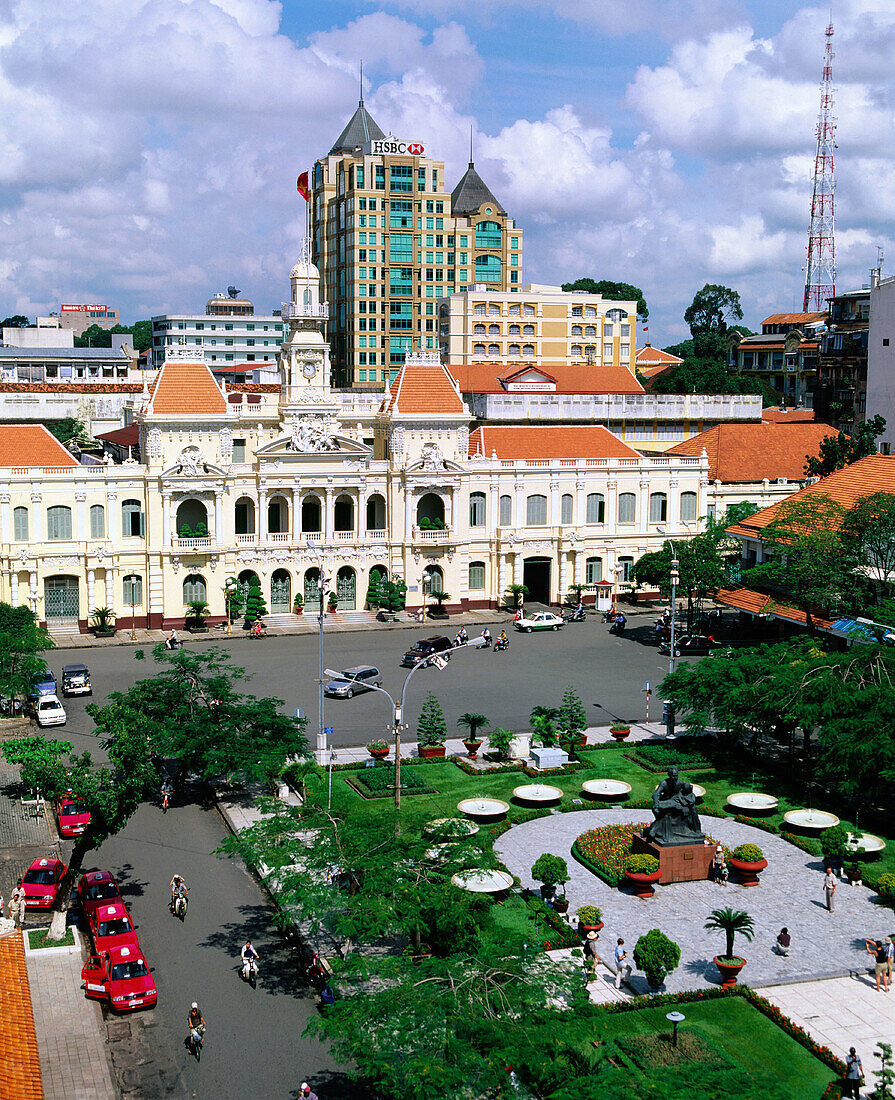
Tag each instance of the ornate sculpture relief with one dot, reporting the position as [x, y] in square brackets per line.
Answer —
[312, 434]
[155, 443]
[432, 458]
[192, 462]
[226, 446]
[463, 443]
[396, 443]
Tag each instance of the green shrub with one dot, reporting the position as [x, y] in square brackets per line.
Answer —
[378, 744]
[381, 781]
[748, 853]
[550, 869]
[834, 842]
[499, 741]
[431, 728]
[589, 914]
[655, 954]
[885, 886]
[642, 865]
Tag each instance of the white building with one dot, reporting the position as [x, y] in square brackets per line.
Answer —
[881, 360]
[229, 333]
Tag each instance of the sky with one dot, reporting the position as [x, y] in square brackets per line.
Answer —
[149, 148]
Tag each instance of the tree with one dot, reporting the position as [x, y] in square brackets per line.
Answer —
[374, 588]
[70, 430]
[656, 955]
[837, 451]
[431, 727]
[615, 292]
[21, 642]
[393, 595]
[571, 717]
[543, 725]
[472, 723]
[255, 607]
[732, 922]
[94, 337]
[885, 1075]
[17, 320]
[868, 530]
[142, 333]
[518, 592]
[711, 309]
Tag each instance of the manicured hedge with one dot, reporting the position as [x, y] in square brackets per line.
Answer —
[380, 782]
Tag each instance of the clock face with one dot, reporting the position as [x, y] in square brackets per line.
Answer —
[308, 370]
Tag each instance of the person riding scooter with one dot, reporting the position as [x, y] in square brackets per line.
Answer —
[172, 641]
[462, 637]
[259, 630]
[502, 641]
[618, 624]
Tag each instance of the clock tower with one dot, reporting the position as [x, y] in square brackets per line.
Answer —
[304, 355]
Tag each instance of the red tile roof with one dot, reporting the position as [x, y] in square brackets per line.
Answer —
[423, 387]
[19, 1056]
[789, 416]
[252, 387]
[752, 452]
[875, 474]
[31, 445]
[793, 318]
[648, 356]
[548, 441]
[568, 377]
[183, 389]
[70, 387]
[757, 603]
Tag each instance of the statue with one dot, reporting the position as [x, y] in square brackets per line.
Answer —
[674, 807]
[432, 458]
[192, 462]
[310, 434]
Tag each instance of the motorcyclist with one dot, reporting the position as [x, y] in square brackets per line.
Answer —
[196, 1024]
[486, 634]
[503, 642]
[258, 630]
[247, 954]
[178, 885]
[172, 641]
[462, 637]
[618, 624]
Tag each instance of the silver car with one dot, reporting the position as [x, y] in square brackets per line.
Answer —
[353, 681]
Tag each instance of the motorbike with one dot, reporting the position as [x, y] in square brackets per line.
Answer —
[608, 616]
[166, 798]
[180, 903]
[500, 643]
[618, 625]
[249, 970]
[575, 615]
[173, 643]
[195, 1039]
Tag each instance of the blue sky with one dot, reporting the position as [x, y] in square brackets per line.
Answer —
[149, 148]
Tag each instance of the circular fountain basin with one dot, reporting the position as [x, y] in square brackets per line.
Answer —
[752, 802]
[606, 788]
[537, 793]
[451, 828]
[866, 844]
[813, 820]
[698, 790]
[484, 809]
[483, 882]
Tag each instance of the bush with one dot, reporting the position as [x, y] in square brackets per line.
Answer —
[380, 782]
[656, 955]
[550, 869]
[642, 865]
[255, 607]
[686, 754]
[378, 744]
[748, 853]
[431, 728]
[589, 914]
[833, 842]
[499, 741]
[885, 886]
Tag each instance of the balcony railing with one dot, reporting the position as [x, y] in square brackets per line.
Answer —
[278, 536]
[431, 534]
[377, 533]
[345, 536]
[298, 311]
[246, 538]
[193, 544]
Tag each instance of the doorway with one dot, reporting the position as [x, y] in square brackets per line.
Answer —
[536, 578]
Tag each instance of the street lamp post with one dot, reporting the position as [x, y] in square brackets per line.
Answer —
[675, 577]
[322, 586]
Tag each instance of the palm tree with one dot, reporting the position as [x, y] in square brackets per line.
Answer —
[473, 723]
[731, 922]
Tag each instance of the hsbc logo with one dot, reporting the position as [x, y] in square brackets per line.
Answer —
[392, 146]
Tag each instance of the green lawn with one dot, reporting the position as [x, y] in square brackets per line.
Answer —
[37, 938]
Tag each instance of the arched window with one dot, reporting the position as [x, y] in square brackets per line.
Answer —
[476, 509]
[132, 590]
[576, 349]
[528, 311]
[310, 515]
[479, 330]
[514, 349]
[536, 510]
[589, 311]
[688, 506]
[625, 568]
[528, 330]
[487, 269]
[192, 520]
[376, 512]
[244, 516]
[506, 510]
[627, 508]
[528, 349]
[194, 588]
[277, 515]
[478, 349]
[494, 330]
[343, 513]
[494, 349]
[20, 524]
[590, 332]
[97, 521]
[487, 235]
[576, 330]
[596, 508]
[590, 350]
[514, 330]
[430, 511]
[658, 507]
[513, 311]
[567, 506]
[59, 522]
[433, 579]
[616, 314]
[133, 523]
[476, 576]
[593, 570]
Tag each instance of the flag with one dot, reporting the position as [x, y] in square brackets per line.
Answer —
[302, 186]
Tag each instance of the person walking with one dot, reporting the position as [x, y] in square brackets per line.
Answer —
[17, 906]
[890, 955]
[877, 949]
[854, 1074]
[718, 866]
[829, 887]
[592, 955]
[620, 965]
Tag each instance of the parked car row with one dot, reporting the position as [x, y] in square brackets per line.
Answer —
[116, 971]
[43, 699]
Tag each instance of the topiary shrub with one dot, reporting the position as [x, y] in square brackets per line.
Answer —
[589, 914]
[834, 842]
[550, 869]
[431, 728]
[642, 865]
[748, 853]
[656, 955]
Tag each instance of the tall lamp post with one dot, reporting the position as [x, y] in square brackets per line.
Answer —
[675, 577]
[322, 588]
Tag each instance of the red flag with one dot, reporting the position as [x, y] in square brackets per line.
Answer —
[302, 186]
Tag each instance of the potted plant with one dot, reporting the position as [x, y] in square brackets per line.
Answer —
[748, 860]
[440, 599]
[473, 723]
[853, 873]
[642, 871]
[543, 726]
[656, 955]
[590, 918]
[499, 742]
[194, 621]
[431, 728]
[731, 922]
[103, 622]
[298, 604]
[551, 871]
[332, 603]
[619, 731]
[378, 748]
[517, 591]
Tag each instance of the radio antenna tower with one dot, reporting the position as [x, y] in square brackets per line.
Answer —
[820, 276]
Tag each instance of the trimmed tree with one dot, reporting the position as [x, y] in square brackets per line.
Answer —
[571, 718]
[431, 728]
[21, 641]
[656, 955]
[255, 607]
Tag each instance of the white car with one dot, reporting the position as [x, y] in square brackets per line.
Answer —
[542, 620]
[49, 711]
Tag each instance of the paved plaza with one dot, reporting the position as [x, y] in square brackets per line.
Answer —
[823, 944]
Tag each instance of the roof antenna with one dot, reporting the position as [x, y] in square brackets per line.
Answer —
[470, 145]
[361, 100]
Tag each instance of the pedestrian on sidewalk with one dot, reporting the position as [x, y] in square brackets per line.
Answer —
[854, 1074]
[877, 949]
[890, 955]
[306, 1092]
[829, 887]
[620, 965]
[592, 955]
[17, 906]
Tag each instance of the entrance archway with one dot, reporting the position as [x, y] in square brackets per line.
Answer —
[536, 578]
[312, 592]
[61, 603]
[192, 519]
[346, 588]
[280, 592]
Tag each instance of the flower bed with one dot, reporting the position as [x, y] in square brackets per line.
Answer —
[605, 850]
[686, 754]
[553, 931]
[380, 783]
[464, 765]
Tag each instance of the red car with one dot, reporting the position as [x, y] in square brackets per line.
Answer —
[111, 927]
[41, 882]
[73, 816]
[97, 888]
[120, 976]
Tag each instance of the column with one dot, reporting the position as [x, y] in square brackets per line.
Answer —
[580, 503]
[520, 517]
[36, 520]
[32, 595]
[501, 575]
[408, 514]
[263, 497]
[15, 588]
[563, 564]
[674, 507]
[290, 509]
[329, 519]
[219, 517]
[455, 511]
[5, 531]
[493, 518]
[579, 566]
[643, 525]
[110, 587]
[166, 520]
[112, 517]
[91, 589]
[611, 506]
[80, 516]
[554, 515]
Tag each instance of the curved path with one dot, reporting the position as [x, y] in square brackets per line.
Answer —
[823, 944]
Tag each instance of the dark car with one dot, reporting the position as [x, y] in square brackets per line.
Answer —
[352, 681]
[42, 683]
[427, 647]
[691, 645]
[76, 680]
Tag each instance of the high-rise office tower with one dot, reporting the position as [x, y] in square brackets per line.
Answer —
[390, 241]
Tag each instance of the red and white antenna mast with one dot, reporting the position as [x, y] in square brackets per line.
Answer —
[820, 276]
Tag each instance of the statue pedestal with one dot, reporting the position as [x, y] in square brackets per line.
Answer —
[677, 862]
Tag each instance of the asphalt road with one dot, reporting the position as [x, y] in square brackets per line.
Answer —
[536, 669]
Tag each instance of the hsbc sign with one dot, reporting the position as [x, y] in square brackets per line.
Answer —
[386, 146]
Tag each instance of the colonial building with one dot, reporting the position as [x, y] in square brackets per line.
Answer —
[290, 483]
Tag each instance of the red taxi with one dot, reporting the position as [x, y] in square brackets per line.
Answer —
[97, 888]
[72, 815]
[41, 883]
[110, 927]
[121, 976]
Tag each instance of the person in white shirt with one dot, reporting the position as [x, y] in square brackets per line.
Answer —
[620, 964]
